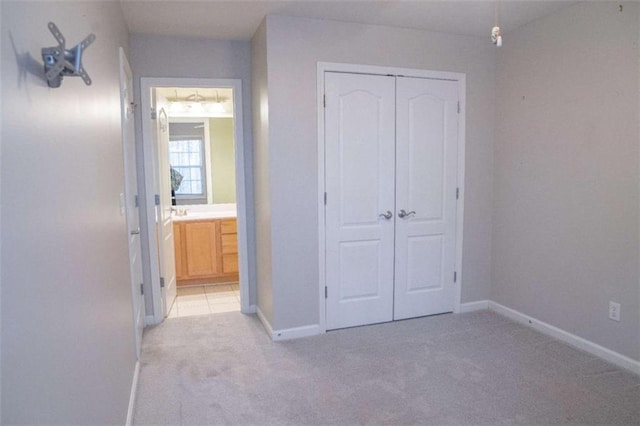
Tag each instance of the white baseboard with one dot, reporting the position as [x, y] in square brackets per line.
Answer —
[480, 305]
[287, 333]
[132, 396]
[265, 322]
[569, 338]
[296, 332]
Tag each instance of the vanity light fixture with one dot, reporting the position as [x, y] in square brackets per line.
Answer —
[196, 104]
[195, 97]
[175, 105]
[217, 106]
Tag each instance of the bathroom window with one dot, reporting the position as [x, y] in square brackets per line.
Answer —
[187, 158]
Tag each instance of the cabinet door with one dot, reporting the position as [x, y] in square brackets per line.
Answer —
[426, 172]
[179, 250]
[360, 184]
[201, 247]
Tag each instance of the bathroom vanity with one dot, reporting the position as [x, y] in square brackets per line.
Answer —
[206, 249]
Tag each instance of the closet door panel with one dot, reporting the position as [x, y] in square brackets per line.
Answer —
[424, 261]
[426, 160]
[359, 173]
[421, 174]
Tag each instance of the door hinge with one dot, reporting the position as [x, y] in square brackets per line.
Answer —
[326, 292]
[455, 276]
[137, 201]
[457, 193]
[458, 107]
[141, 288]
[161, 282]
[325, 198]
[156, 199]
[154, 114]
[324, 101]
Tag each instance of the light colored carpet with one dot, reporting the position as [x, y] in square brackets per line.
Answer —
[475, 368]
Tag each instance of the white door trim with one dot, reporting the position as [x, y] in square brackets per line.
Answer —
[146, 83]
[137, 299]
[323, 67]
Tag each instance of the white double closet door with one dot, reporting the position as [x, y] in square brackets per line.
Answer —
[390, 216]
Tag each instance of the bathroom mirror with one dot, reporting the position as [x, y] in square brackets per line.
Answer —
[202, 159]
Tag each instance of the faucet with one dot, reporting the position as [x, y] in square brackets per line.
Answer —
[178, 211]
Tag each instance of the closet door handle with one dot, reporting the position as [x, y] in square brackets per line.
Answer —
[402, 214]
[386, 216]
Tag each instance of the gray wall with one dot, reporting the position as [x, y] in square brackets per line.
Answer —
[261, 165]
[68, 351]
[294, 46]
[565, 222]
[162, 56]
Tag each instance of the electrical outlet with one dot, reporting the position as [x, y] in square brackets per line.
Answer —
[614, 311]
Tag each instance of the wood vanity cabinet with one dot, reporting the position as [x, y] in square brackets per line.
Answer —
[206, 251]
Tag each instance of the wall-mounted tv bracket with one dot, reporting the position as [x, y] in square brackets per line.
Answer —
[60, 62]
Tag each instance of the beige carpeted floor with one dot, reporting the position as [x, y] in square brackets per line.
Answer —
[475, 368]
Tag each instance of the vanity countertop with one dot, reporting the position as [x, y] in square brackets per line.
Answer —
[219, 211]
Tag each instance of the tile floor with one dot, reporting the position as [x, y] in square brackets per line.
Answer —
[206, 299]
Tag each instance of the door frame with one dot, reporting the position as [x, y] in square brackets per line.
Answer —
[323, 67]
[146, 83]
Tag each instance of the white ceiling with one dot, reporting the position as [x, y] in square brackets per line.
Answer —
[238, 20]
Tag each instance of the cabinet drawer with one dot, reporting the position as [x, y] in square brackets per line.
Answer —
[228, 226]
[229, 243]
[229, 263]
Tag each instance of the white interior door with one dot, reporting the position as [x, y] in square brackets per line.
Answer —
[164, 221]
[359, 173]
[426, 160]
[131, 193]
[390, 145]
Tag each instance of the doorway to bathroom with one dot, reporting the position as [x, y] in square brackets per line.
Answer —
[195, 196]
